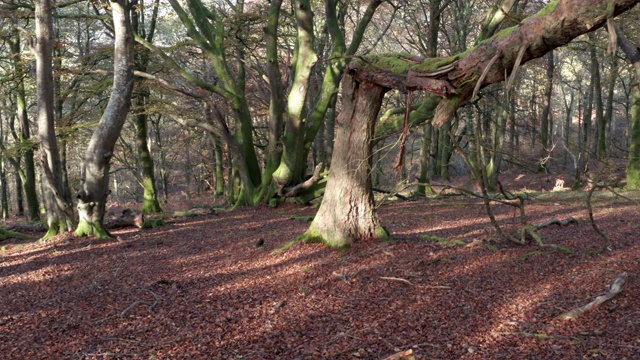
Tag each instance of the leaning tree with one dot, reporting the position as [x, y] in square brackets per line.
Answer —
[347, 213]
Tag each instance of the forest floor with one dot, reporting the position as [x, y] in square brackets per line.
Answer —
[200, 288]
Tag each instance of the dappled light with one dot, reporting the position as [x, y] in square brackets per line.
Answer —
[201, 287]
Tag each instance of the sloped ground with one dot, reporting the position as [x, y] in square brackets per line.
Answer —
[199, 288]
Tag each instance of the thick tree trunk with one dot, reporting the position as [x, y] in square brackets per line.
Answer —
[347, 213]
[60, 217]
[95, 187]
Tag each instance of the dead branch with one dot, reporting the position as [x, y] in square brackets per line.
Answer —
[554, 221]
[294, 191]
[607, 242]
[616, 288]
[127, 218]
[150, 305]
[389, 278]
[402, 355]
[396, 194]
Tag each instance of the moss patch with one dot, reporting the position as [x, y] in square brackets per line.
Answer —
[444, 241]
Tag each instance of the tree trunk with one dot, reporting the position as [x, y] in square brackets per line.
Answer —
[60, 216]
[150, 203]
[633, 165]
[597, 98]
[546, 112]
[28, 176]
[347, 212]
[95, 183]
[607, 121]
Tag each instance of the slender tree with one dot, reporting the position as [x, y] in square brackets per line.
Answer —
[60, 217]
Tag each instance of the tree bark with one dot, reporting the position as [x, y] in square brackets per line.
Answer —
[60, 217]
[633, 165]
[28, 175]
[546, 111]
[95, 183]
[347, 212]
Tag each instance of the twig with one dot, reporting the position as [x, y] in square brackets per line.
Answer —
[407, 354]
[607, 242]
[150, 305]
[389, 278]
[616, 288]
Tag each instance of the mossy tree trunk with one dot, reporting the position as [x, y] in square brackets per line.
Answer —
[60, 216]
[633, 165]
[347, 212]
[301, 127]
[95, 182]
[28, 176]
[150, 203]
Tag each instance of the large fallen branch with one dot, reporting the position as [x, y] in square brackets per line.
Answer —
[127, 218]
[616, 288]
[294, 191]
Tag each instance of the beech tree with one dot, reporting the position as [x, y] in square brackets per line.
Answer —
[347, 213]
[632, 53]
[92, 196]
[60, 217]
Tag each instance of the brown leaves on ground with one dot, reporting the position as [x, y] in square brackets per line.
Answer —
[200, 288]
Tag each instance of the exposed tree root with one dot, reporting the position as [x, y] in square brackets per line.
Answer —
[616, 288]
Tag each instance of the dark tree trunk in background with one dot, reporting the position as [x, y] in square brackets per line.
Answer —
[545, 119]
[633, 165]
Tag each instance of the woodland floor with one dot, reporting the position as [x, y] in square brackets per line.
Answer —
[199, 288]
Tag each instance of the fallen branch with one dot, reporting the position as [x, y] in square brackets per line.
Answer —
[150, 305]
[396, 194]
[294, 191]
[402, 355]
[127, 218]
[616, 288]
[396, 279]
[555, 221]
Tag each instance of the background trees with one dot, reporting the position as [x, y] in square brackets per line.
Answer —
[241, 98]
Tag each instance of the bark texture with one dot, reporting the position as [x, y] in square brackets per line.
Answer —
[347, 212]
[60, 217]
[457, 78]
[95, 188]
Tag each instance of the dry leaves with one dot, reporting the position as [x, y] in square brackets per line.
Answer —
[199, 288]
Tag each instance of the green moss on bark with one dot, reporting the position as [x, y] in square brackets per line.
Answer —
[96, 229]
